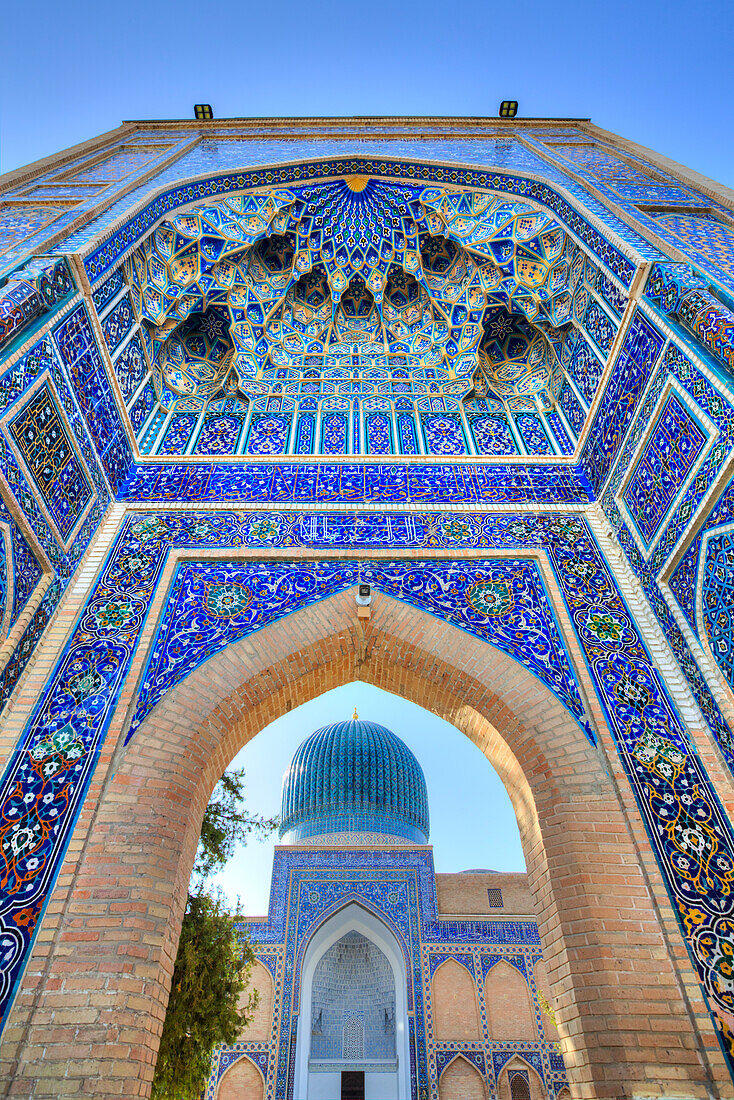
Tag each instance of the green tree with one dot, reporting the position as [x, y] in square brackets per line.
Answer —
[213, 961]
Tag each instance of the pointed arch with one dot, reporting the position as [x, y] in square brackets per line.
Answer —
[461, 1081]
[242, 1081]
[353, 917]
[507, 1000]
[454, 1003]
[519, 1081]
[151, 803]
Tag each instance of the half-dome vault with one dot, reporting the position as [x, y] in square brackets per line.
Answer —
[359, 316]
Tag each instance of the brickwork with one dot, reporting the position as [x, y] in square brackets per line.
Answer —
[242, 1082]
[261, 1017]
[454, 1000]
[116, 912]
[461, 1081]
[467, 893]
[543, 984]
[509, 1012]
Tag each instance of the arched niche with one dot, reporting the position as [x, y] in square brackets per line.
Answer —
[353, 918]
[143, 827]
[508, 1004]
[519, 1081]
[242, 1081]
[461, 1081]
[454, 1003]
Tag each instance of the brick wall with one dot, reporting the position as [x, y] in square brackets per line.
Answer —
[461, 1081]
[466, 894]
[507, 999]
[261, 1017]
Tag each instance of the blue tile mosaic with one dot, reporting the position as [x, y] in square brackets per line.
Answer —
[21, 571]
[637, 357]
[52, 463]
[99, 261]
[131, 367]
[70, 720]
[503, 604]
[79, 352]
[42, 360]
[118, 323]
[717, 600]
[673, 448]
[682, 583]
[319, 483]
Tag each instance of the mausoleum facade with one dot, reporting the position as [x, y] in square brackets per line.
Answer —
[443, 405]
[374, 973]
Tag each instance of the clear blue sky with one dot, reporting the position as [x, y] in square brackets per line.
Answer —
[657, 72]
[472, 820]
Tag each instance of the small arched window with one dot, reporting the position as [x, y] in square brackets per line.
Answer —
[519, 1085]
[353, 1039]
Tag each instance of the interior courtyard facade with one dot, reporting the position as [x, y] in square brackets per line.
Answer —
[441, 405]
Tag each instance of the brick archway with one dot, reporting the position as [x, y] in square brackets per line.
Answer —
[608, 963]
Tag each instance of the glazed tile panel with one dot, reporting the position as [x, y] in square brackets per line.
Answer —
[82, 359]
[321, 483]
[712, 405]
[21, 571]
[82, 489]
[639, 353]
[49, 774]
[673, 448]
[505, 605]
[41, 436]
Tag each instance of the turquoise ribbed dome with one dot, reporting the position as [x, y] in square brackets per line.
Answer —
[354, 777]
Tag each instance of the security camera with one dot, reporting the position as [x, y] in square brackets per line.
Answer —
[364, 595]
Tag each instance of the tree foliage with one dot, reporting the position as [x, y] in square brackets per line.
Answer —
[226, 825]
[213, 962]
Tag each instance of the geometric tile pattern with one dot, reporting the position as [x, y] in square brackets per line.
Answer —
[79, 352]
[42, 439]
[670, 452]
[22, 572]
[358, 298]
[718, 601]
[703, 235]
[46, 781]
[682, 582]
[638, 355]
[15, 381]
[100, 260]
[30, 293]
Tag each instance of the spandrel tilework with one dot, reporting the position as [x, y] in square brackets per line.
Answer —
[69, 727]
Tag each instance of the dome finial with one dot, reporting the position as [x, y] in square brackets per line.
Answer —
[355, 716]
